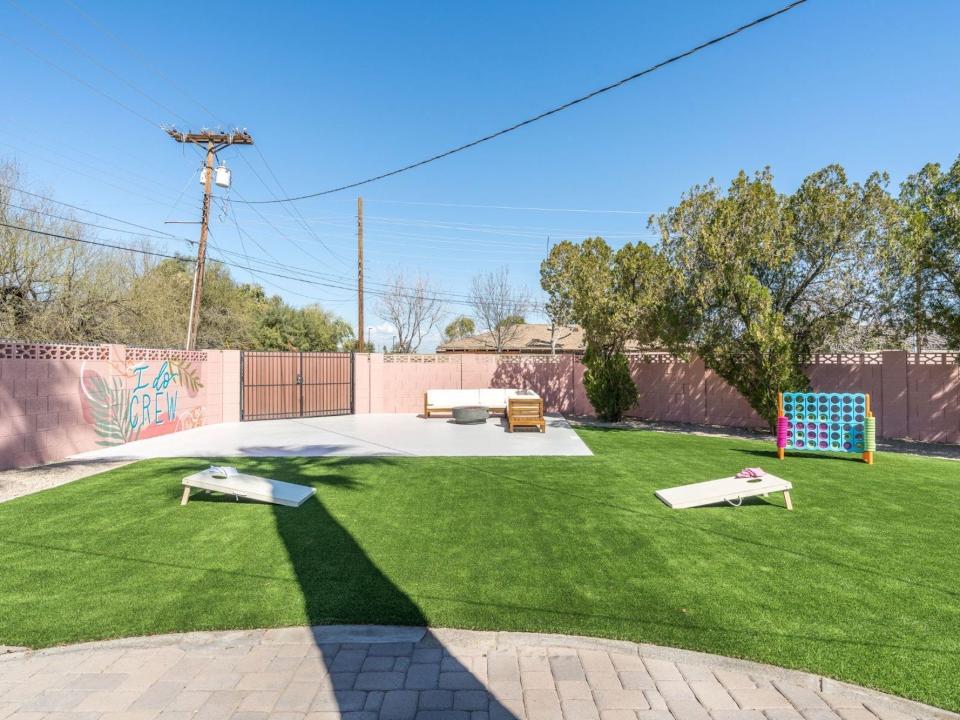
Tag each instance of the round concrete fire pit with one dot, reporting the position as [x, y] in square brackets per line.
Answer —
[470, 415]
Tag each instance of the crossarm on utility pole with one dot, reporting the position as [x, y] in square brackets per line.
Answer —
[214, 142]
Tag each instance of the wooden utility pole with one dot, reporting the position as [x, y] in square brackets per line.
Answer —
[360, 343]
[214, 142]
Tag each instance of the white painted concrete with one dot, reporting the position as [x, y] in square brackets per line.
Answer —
[364, 435]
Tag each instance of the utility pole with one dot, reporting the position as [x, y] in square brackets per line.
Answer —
[214, 142]
[360, 274]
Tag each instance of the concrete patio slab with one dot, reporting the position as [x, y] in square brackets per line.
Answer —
[352, 435]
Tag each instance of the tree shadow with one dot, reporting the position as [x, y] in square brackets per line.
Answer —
[552, 381]
[373, 651]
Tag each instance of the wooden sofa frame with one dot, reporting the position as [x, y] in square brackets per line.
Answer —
[525, 412]
[427, 410]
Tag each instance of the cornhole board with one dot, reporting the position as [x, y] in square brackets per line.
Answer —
[730, 489]
[247, 486]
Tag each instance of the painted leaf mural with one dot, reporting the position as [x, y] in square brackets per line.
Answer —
[109, 405]
[140, 401]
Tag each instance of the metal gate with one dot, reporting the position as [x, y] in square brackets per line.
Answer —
[276, 385]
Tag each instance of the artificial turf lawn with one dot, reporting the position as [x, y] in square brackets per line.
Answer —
[860, 582]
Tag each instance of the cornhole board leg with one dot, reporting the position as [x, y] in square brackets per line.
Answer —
[732, 490]
[251, 487]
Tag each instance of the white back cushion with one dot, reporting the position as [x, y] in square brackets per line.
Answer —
[452, 398]
[493, 397]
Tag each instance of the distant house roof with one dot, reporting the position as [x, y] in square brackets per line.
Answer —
[532, 338]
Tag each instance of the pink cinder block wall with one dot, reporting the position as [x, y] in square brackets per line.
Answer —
[913, 396]
[397, 383]
[57, 400]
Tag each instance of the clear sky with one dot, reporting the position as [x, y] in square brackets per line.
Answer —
[335, 92]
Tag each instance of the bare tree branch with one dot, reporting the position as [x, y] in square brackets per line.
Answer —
[499, 307]
[413, 308]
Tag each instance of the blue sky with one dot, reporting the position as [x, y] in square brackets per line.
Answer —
[336, 92]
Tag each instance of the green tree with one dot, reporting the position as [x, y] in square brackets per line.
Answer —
[512, 321]
[555, 281]
[307, 329]
[160, 301]
[761, 280]
[615, 297]
[921, 262]
[609, 384]
[459, 327]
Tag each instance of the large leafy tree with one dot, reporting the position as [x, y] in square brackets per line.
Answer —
[306, 329]
[761, 280]
[921, 263]
[616, 297]
[232, 315]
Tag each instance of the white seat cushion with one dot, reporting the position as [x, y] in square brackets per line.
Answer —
[452, 398]
[494, 397]
[485, 397]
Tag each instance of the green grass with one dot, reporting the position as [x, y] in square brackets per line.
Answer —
[859, 583]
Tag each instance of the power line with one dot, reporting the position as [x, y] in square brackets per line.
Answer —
[258, 278]
[101, 165]
[153, 199]
[547, 113]
[159, 234]
[297, 217]
[80, 80]
[290, 239]
[94, 225]
[188, 259]
[91, 212]
[291, 209]
[106, 68]
[277, 264]
[95, 24]
[58, 236]
[515, 207]
[277, 229]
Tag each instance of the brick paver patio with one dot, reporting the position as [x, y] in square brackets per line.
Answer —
[409, 673]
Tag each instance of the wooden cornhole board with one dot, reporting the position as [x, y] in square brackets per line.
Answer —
[728, 489]
[247, 486]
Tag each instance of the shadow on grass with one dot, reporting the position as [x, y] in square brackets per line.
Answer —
[342, 585]
[772, 455]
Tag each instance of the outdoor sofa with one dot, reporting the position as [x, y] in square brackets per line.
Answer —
[493, 399]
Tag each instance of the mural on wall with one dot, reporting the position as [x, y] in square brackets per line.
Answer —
[140, 401]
